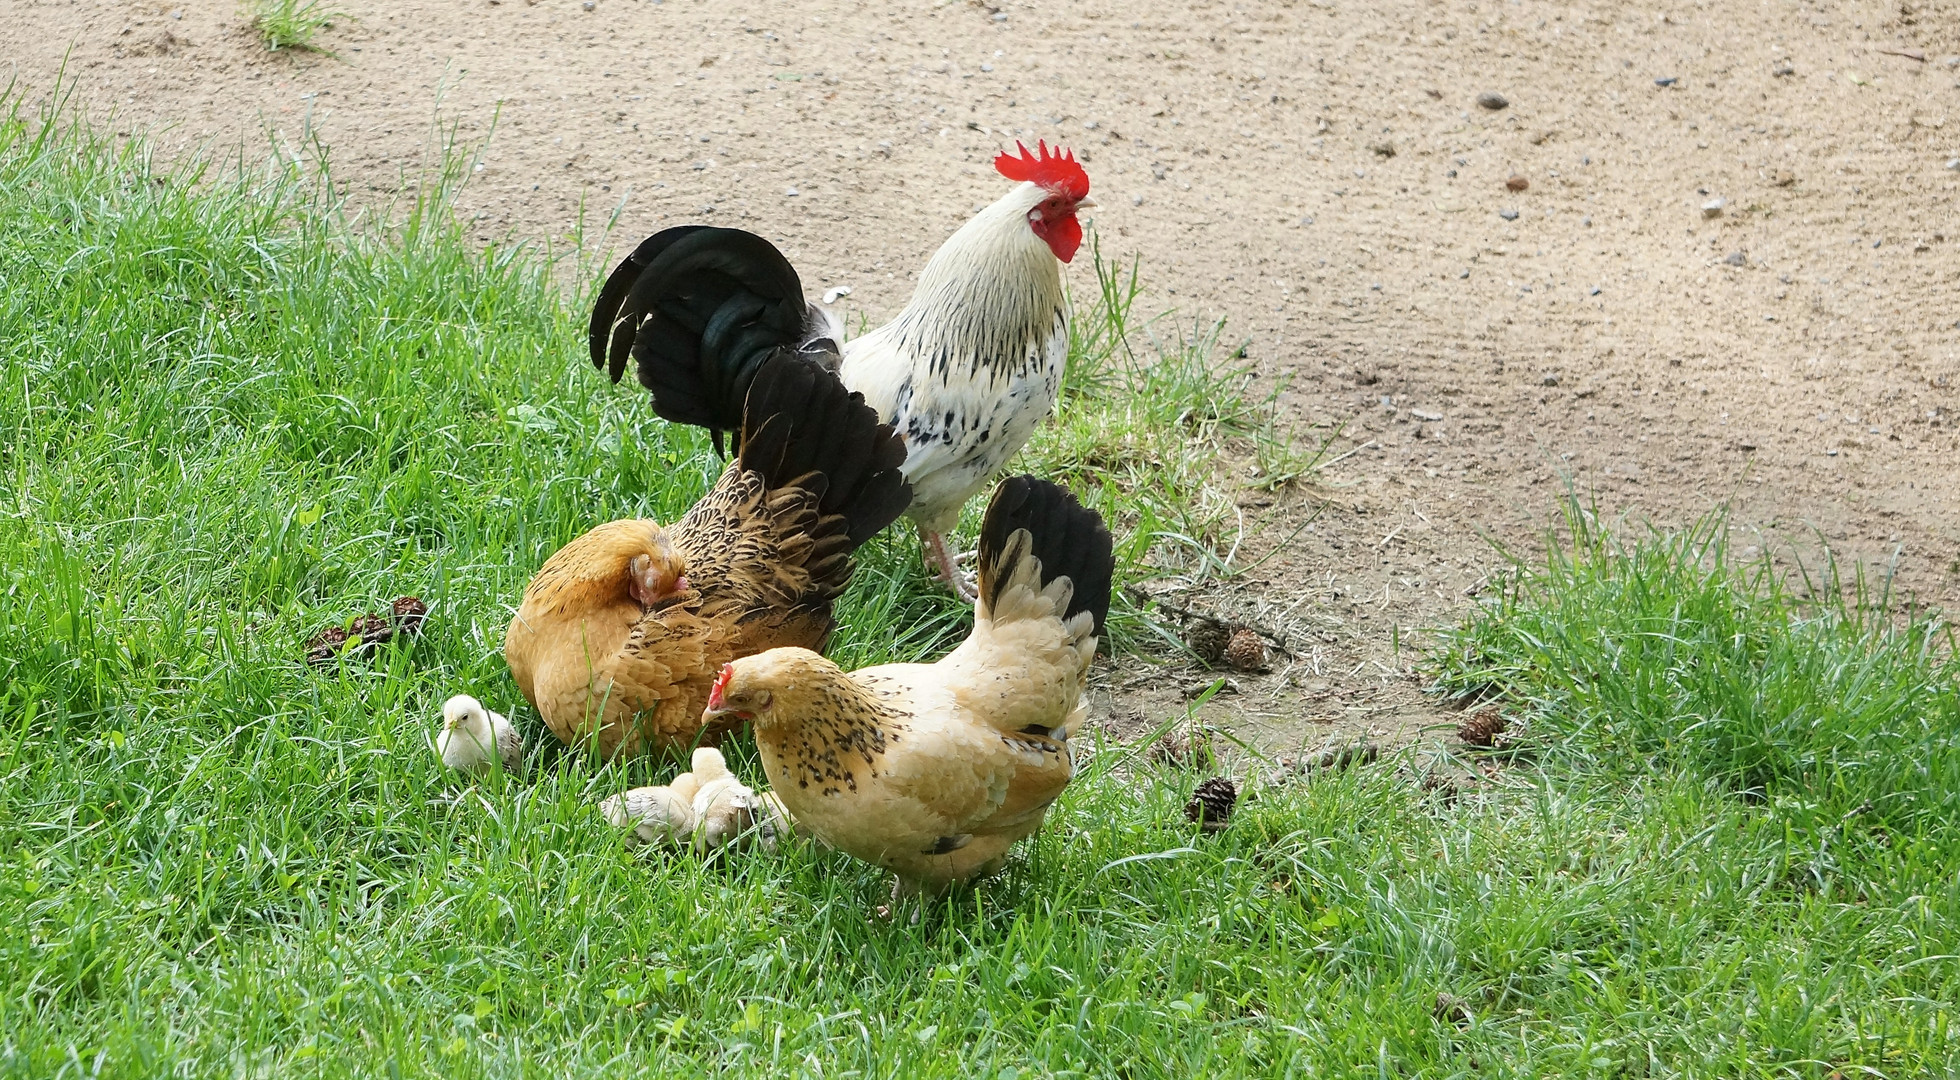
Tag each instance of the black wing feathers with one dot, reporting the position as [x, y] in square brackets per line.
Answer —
[1069, 539]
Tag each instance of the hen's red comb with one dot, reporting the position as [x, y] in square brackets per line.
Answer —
[721, 683]
[1054, 169]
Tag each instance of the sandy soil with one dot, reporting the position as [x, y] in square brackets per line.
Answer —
[1734, 273]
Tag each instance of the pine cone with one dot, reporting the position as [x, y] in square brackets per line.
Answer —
[1183, 751]
[325, 645]
[1451, 1009]
[1211, 804]
[410, 612]
[1246, 650]
[1207, 638]
[1482, 727]
[372, 629]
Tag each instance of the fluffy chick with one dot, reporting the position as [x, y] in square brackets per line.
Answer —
[704, 808]
[655, 814]
[474, 740]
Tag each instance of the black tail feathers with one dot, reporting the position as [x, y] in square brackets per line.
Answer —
[1069, 539]
[800, 420]
[700, 310]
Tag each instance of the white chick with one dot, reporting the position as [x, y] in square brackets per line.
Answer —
[474, 740]
[655, 814]
[724, 807]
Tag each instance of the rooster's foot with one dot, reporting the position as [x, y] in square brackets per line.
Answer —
[946, 568]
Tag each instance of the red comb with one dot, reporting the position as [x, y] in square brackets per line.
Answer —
[721, 683]
[1054, 169]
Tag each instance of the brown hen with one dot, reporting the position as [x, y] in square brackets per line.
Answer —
[621, 632]
[933, 771]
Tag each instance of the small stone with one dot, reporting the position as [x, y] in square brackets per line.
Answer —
[835, 293]
[1736, 258]
[1193, 691]
[790, 192]
[1713, 208]
[1136, 199]
[1517, 183]
[1508, 215]
[1492, 100]
[1953, 164]
[1000, 16]
[1594, 291]
[1548, 380]
[1383, 149]
[589, 5]
[1782, 70]
[1343, 757]
[1669, 81]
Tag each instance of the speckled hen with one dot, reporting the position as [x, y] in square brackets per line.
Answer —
[934, 771]
[965, 372]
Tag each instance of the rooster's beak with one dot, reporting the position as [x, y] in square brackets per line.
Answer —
[1087, 203]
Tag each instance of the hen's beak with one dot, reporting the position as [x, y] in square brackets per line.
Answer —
[1087, 203]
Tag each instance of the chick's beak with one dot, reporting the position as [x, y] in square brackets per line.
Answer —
[650, 586]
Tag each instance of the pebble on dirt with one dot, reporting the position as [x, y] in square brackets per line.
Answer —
[1517, 183]
[1713, 208]
[1736, 258]
[1508, 215]
[1492, 100]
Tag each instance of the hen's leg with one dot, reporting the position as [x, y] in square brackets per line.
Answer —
[943, 564]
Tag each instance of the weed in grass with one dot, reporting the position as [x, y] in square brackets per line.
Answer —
[1837, 709]
[291, 24]
[225, 420]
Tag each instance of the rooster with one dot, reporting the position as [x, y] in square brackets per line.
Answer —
[933, 771]
[622, 630]
[964, 372]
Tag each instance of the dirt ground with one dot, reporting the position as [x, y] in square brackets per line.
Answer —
[1734, 273]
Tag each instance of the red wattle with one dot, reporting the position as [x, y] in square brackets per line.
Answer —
[1063, 235]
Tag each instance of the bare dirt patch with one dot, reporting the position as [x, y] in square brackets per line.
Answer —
[1732, 270]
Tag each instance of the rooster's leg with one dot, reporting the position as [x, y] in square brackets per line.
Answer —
[943, 564]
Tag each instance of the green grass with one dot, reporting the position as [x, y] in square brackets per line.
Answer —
[290, 24]
[227, 417]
